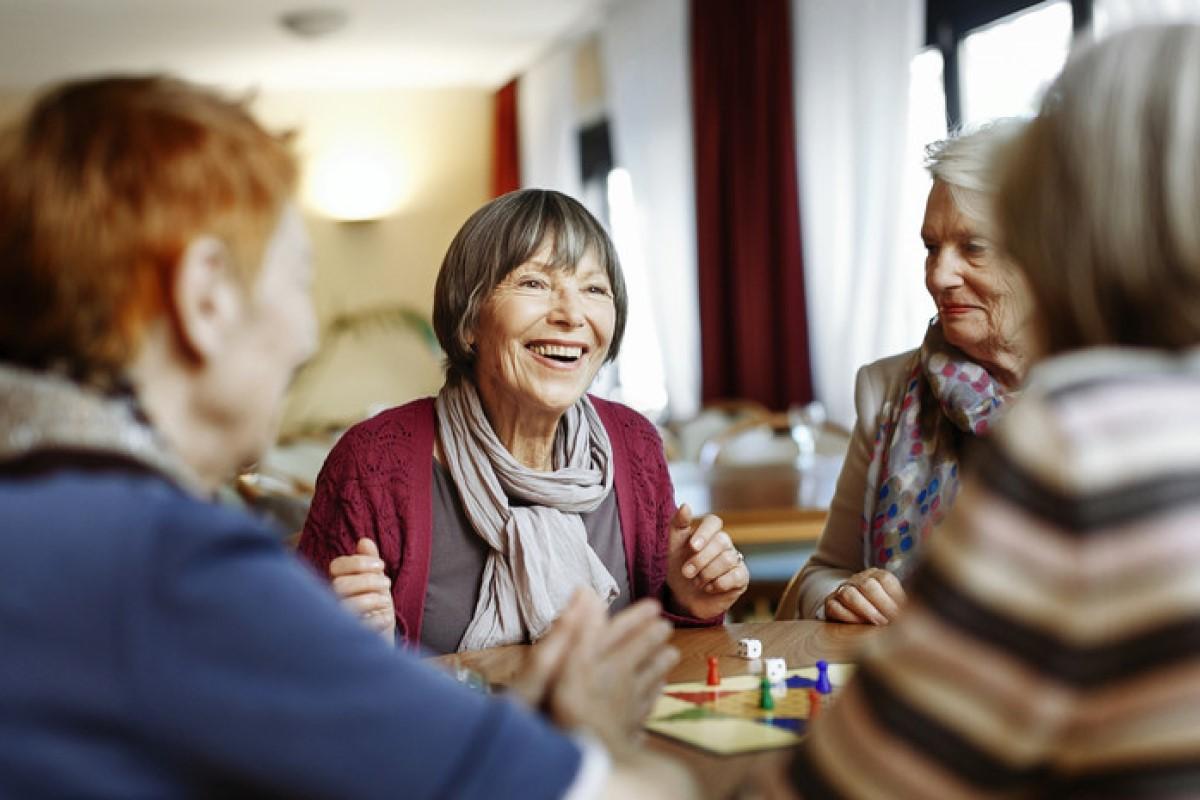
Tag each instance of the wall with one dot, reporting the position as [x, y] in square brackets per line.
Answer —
[11, 104]
[440, 141]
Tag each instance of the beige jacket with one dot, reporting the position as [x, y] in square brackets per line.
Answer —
[839, 551]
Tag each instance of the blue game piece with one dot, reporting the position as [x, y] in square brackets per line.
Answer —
[823, 684]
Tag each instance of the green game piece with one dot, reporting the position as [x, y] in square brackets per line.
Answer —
[766, 700]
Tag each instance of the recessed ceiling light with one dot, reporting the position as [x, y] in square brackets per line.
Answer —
[312, 23]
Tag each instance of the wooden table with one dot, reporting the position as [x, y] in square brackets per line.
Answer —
[763, 504]
[801, 642]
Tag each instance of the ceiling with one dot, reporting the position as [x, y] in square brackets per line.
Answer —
[240, 43]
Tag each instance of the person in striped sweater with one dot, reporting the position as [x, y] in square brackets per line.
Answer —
[1052, 645]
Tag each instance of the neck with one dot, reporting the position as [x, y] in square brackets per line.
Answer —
[528, 434]
[165, 390]
[1008, 368]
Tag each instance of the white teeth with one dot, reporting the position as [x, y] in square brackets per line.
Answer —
[560, 351]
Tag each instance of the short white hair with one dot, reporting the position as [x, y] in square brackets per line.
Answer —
[966, 164]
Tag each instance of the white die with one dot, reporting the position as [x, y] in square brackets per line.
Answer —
[776, 670]
[749, 648]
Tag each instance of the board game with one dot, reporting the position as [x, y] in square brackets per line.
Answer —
[727, 719]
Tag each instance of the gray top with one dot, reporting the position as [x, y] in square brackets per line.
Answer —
[458, 557]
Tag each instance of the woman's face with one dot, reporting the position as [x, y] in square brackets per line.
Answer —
[981, 300]
[544, 333]
[276, 333]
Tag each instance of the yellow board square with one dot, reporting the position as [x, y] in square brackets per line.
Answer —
[725, 735]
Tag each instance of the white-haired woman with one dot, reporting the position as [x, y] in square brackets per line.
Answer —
[917, 409]
[1051, 645]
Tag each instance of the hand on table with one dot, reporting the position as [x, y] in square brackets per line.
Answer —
[873, 596]
[705, 572]
[598, 674]
[364, 588]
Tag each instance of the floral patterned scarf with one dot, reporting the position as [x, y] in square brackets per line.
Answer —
[912, 478]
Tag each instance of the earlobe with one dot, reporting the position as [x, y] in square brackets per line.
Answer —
[204, 298]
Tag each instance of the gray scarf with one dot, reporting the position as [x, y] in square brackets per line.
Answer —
[539, 552]
[45, 411]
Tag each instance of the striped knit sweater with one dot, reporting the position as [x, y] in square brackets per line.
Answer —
[1052, 645]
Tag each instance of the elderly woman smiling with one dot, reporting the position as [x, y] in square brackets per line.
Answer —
[468, 520]
[917, 409]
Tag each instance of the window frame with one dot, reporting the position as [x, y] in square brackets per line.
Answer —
[949, 22]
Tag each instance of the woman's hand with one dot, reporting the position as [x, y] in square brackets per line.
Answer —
[705, 572]
[872, 596]
[364, 588]
[598, 674]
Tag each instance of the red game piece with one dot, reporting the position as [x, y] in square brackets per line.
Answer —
[714, 672]
[814, 704]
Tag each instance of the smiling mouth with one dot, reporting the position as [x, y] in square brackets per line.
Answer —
[563, 354]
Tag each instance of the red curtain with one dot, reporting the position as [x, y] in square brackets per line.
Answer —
[506, 154]
[753, 324]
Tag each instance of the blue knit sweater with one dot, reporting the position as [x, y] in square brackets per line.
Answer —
[152, 645]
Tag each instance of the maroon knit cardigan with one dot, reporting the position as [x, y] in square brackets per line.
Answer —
[377, 483]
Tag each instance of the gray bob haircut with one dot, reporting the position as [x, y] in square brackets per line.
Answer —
[1100, 197]
[501, 236]
[966, 163]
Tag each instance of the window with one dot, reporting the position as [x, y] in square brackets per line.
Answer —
[926, 124]
[636, 378]
[640, 380]
[1007, 65]
[999, 55]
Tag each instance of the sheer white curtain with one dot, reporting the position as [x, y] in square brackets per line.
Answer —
[548, 125]
[645, 49]
[865, 285]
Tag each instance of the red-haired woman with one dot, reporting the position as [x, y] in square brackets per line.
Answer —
[153, 304]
